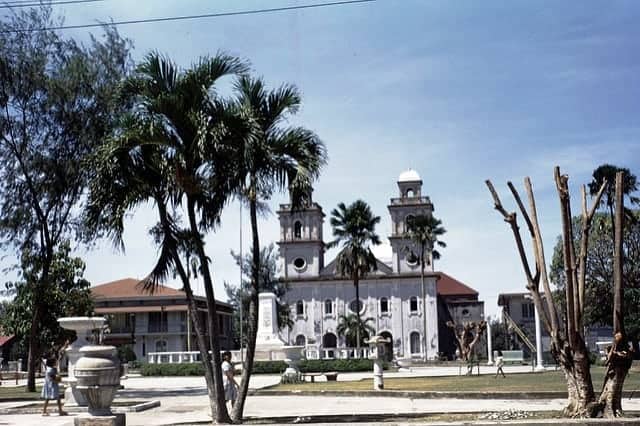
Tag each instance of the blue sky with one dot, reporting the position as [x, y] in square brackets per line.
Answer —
[460, 91]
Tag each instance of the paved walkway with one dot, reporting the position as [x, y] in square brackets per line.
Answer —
[184, 400]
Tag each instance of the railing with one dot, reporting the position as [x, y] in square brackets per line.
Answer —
[156, 327]
[173, 357]
[311, 352]
[410, 200]
[181, 357]
[336, 353]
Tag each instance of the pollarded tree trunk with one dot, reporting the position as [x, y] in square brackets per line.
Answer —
[581, 400]
[568, 346]
[611, 396]
[466, 340]
[619, 358]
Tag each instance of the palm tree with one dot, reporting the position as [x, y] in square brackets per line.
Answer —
[423, 231]
[354, 230]
[607, 172]
[354, 330]
[277, 157]
[174, 147]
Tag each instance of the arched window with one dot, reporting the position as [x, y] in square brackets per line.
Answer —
[407, 221]
[299, 307]
[414, 342]
[161, 346]
[329, 340]
[328, 307]
[384, 305]
[297, 230]
[413, 304]
[301, 340]
[409, 193]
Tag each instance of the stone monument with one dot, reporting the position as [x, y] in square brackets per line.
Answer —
[269, 345]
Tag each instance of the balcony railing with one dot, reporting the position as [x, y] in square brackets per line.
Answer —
[158, 327]
[409, 201]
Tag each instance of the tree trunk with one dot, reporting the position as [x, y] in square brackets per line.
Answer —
[611, 396]
[619, 359]
[34, 352]
[356, 283]
[252, 329]
[220, 414]
[581, 397]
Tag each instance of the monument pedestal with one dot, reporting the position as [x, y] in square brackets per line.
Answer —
[117, 419]
[269, 345]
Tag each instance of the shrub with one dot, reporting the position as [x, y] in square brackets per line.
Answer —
[126, 353]
[339, 365]
[263, 367]
[269, 367]
[188, 369]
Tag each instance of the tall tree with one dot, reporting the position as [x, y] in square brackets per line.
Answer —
[354, 229]
[353, 328]
[56, 105]
[606, 174]
[174, 147]
[275, 157]
[67, 296]
[424, 231]
[566, 331]
[269, 282]
[599, 273]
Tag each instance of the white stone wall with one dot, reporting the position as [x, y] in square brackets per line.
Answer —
[399, 321]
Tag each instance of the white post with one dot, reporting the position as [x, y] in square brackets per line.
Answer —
[489, 343]
[378, 381]
[539, 364]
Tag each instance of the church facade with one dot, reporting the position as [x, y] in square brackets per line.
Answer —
[392, 298]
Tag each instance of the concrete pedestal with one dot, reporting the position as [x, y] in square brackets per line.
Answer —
[117, 419]
[268, 338]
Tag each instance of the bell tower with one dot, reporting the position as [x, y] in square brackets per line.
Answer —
[301, 245]
[408, 204]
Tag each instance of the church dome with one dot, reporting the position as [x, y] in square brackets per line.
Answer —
[409, 175]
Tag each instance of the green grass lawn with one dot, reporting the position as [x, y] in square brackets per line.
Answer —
[13, 393]
[520, 382]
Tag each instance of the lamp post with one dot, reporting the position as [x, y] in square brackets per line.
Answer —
[536, 319]
[489, 343]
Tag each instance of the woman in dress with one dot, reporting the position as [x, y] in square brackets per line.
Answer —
[228, 380]
[51, 389]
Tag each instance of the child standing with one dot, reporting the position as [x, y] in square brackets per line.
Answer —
[499, 364]
[51, 389]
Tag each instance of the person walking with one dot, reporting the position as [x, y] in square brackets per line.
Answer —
[51, 388]
[499, 364]
[228, 379]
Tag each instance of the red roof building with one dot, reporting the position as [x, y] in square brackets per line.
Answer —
[157, 321]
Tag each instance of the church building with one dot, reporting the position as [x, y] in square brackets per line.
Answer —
[392, 297]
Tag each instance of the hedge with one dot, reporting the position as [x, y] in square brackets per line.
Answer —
[264, 367]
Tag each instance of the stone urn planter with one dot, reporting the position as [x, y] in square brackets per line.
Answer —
[83, 327]
[98, 377]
